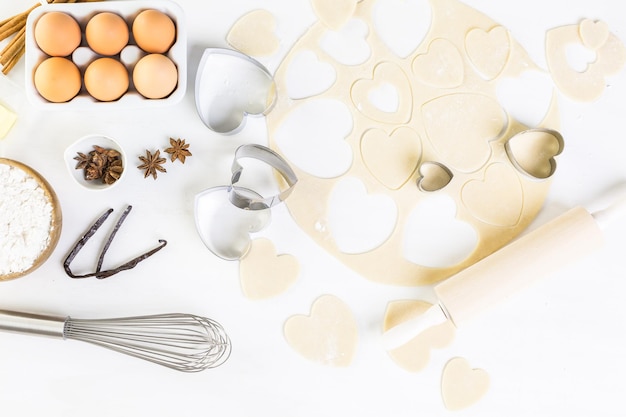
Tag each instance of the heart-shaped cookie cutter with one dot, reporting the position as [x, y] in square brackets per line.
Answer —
[226, 215]
[230, 87]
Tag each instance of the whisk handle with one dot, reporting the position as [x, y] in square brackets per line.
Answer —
[40, 325]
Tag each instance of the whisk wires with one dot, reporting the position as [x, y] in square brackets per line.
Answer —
[184, 342]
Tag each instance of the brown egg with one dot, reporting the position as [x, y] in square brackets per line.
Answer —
[155, 76]
[57, 79]
[106, 79]
[57, 34]
[154, 31]
[107, 33]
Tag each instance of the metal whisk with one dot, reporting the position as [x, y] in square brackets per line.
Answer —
[184, 342]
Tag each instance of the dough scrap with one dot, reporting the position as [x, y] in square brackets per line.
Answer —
[588, 85]
[254, 34]
[328, 336]
[264, 274]
[415, 355]
[462, 386]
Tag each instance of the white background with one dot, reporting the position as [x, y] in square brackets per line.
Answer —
[558, 349]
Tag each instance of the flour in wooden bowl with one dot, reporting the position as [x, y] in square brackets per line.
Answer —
[30, 220]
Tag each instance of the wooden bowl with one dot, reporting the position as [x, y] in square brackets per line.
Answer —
[56, 221]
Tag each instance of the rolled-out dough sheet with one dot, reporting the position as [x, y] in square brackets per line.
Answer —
[409, 121]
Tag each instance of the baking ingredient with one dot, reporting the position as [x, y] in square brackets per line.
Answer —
[107, 33]
[101, 164]
[328, 336]
[152, 163]
[255, 34]
[462, 386]
[264, 274]
[414, 356]
[99, 273]
[25, 220]
[106, 79]
[7, 120]
[16, 25]
[178, 150]
[57, 33]
[155, 76]
[57, 79]
[154, 31]
[426, 94]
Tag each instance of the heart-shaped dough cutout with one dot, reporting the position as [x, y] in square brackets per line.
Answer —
[392, 159]
[489, 51]
[433, 176]
[402, 25]
[358, 221]
[254, 34]
[594, 34]
[231, 86]
[460, 127]
[334, 13]
[307, 76]
[313, 137]
[394, 104]
[415, 355]
[434, 237]
[462, 386]
[348, 46]
[329, 335]
[498, 199]
[264, 274]
[442, 66]
[533, 152]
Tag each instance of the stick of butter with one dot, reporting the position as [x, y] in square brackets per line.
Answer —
[7, 120]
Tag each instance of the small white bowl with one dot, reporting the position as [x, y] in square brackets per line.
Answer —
[85, 145]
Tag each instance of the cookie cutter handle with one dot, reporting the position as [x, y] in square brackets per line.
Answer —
[274, 160]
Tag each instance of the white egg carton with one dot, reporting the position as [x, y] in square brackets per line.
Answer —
[83, 55]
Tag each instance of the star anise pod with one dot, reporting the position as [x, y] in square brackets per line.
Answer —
[83, 160]
[113, 172]
[178, 150]
[152, 163]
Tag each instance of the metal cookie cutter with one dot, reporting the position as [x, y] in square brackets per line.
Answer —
[230, 86]
[226, 215]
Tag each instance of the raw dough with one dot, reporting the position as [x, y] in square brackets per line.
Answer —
[415, 355]
[263, 274]
[328, 336]
[462, 386]
[587, 85]
[438, 87]
[254, 34]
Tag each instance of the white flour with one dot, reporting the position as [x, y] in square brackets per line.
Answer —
[25, 220]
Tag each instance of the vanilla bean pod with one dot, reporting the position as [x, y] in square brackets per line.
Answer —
[90, 232]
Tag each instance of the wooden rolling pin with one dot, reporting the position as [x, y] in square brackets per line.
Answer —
[511, 269]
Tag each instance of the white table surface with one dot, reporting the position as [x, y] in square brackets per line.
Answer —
[557, 349]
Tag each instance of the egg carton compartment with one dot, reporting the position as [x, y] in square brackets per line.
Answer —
[83, 55]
